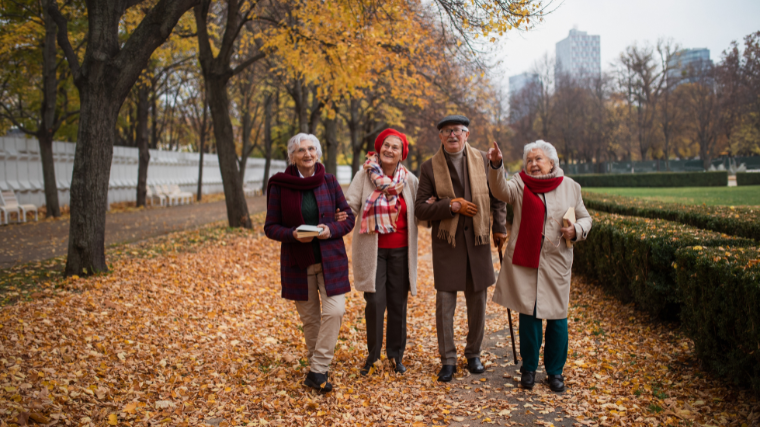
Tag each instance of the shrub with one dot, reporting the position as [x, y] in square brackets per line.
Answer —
[632, 257]
[747, 179]
[657, 179]
[720, 287]
[736, 221]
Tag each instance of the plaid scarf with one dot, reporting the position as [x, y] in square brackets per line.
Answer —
[382, 206]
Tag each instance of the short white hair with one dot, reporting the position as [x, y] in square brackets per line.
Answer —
[544, 146]
[295, 142]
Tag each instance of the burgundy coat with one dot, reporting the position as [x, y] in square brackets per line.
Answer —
[329, 197]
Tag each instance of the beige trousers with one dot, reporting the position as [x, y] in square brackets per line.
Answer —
[321, 325]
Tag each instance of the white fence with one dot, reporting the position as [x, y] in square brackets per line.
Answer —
[21, 171]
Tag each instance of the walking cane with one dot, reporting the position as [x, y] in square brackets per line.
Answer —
[509, 314]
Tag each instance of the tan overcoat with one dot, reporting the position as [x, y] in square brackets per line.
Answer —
[518, 287]
[364, 246]
[450, 264]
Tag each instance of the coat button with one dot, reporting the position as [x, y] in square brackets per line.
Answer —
[465, 228]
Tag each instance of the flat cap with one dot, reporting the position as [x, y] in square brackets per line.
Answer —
[454, 119]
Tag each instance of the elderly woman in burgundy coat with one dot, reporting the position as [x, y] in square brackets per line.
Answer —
[314, 270]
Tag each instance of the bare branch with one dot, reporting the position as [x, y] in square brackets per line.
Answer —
[63, 40]
[247, 62]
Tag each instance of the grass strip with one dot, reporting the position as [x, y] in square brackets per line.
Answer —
[742, 221]
[654, 179]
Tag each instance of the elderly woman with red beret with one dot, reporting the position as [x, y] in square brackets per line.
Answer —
[385, 245]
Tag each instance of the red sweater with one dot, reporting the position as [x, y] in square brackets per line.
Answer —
[399, 239]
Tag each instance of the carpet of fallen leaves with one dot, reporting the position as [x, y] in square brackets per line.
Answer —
[187, 338]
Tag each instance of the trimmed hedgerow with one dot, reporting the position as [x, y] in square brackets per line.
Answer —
[720, 288]
[655, 179]
[736, 221]
[632, 257]
[744, 178]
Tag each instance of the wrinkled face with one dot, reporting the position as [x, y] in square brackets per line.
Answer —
[453, 138]
[391, 151]
[536, 163]
[305, 156]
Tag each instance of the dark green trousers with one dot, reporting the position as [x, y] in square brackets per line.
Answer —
[555, 349]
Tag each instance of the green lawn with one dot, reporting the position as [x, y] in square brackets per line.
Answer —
[713, 196]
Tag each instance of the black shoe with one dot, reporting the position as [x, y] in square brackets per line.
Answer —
[528, 378]
[447, 373]
[318, 382]
[400, 368]
[556, 383]
[365, 370]
[474, 366]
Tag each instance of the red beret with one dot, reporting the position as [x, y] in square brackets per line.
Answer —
[392, 132]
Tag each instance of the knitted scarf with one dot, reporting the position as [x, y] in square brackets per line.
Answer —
[528, 245]
[291, 185]
[382, 206]
[478, 190]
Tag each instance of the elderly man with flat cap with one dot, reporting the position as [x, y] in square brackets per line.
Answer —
[454, 195]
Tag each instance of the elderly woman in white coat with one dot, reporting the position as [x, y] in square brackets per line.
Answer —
[385, 245]
[535, 277]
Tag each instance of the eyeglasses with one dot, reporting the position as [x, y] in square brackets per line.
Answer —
[455, 132]
[558, 239]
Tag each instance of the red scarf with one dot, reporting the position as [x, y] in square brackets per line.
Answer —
[291, 185]
[528, 246]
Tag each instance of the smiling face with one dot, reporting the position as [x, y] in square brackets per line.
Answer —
[537, 163]
[305, 156]
[453, 138]
[390, 152]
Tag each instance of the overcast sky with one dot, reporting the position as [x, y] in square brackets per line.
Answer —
[620, 23]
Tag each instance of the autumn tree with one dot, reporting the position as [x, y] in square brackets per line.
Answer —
[39, 106]
[110, 67]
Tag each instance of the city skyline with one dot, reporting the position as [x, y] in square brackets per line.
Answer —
[623, 24]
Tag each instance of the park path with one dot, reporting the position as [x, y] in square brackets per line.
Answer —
[43, 240]
[199, 334]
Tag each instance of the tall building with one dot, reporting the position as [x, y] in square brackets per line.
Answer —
[519, 81]
[687, 64]
[579, 55]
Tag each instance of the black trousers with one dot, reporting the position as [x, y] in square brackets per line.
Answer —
[391, 292]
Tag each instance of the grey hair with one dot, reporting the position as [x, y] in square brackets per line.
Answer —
[295, 142]
[544, 146]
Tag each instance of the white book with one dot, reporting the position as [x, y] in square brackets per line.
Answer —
[306, 230]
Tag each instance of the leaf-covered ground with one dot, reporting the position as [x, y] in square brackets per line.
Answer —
[192, 337]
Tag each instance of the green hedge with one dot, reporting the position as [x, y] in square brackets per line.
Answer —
[720, 288]
[747, 179]
[632, 258]
[657, 179]
[736, 221]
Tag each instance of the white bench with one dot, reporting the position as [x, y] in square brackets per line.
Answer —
[9, 204]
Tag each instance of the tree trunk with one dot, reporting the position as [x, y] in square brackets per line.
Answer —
[154, 116]
[357, 143]
[52, 207]
[99, 110]
[267, 142]
[142, 143]
[219, 104]
[300, 94]
[315, 113]
[201, 143]
[46, 131]
[331, 145]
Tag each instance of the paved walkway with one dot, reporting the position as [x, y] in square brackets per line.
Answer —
[20, 244]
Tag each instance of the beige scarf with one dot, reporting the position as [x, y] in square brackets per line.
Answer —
[478, 190]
